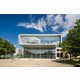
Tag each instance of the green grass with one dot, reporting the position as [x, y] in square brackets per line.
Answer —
[72, 62]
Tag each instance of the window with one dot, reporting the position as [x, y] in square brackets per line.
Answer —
[61, 55]
[57, 49]
[57, 54]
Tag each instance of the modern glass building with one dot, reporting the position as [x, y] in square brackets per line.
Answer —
[40, 45]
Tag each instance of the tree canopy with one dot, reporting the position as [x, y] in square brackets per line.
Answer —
[72, 42]
[6, 48]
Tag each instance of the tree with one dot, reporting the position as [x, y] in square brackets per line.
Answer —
[6, 48]
[72, 42]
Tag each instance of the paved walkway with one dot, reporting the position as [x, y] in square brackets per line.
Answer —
[31, 63]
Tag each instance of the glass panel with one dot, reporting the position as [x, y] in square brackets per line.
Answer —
[39, 53]
[40, 40]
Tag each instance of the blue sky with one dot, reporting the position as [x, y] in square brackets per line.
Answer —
[11, 25]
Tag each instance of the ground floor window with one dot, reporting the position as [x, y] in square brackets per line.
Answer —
[57, 54]
[39, 53]
[61, 55]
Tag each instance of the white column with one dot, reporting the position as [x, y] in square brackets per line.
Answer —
[56, 53]
[40, 52]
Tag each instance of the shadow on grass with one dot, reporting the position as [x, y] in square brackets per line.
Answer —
[72, 62]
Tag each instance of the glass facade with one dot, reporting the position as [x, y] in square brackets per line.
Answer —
[40, 46]
[40, 40]
[39, 53]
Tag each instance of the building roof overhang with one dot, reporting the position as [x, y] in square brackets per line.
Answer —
[39, 46]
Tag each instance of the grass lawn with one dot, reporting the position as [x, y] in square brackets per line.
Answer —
[72, 62]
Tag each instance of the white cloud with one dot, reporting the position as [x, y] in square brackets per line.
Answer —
[55, 22]
[59, 20]
[64, 33]
[68, 24]
[70, 20]
[50, 19]
[21, 24]
[55, 28]
[39, 25]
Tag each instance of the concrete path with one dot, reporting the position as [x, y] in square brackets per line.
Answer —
[31, 63]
